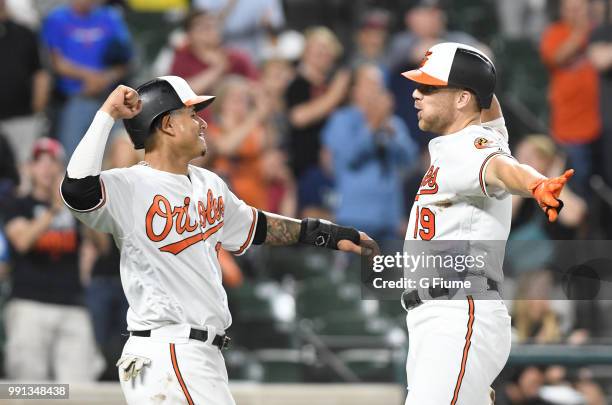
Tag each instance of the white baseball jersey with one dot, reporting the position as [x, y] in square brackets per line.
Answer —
[169, 228]
[453, 201]
[471, 336]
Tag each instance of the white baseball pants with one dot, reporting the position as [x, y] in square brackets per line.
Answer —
[456, 349]
[181, 370]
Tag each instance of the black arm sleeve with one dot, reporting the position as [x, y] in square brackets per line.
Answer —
[261, 230]
[82, 194]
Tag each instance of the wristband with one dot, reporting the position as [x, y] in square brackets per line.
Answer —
[322, 233]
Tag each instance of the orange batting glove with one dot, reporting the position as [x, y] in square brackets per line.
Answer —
[546, 192]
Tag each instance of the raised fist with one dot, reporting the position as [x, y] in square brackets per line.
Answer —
[122, 103]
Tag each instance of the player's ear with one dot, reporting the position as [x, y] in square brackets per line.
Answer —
[167, 124]
[464, 98]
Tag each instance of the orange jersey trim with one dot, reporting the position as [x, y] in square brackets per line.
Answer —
[466, 349]
[481, 173]
[178, 374]
[248, 239]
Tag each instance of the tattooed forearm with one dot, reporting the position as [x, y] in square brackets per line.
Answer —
[282, 230]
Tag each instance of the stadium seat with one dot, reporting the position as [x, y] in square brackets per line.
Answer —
[317, 297]
[280, 365]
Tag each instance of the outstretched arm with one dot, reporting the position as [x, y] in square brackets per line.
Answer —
[520, 179]
[277, 230]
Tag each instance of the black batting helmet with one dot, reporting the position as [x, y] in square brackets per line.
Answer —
[457, 65]
[159, 96]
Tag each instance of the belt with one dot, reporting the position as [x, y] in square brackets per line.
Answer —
[412, 299]
[221, 341]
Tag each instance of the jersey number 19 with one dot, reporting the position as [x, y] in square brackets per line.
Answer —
[425, 224]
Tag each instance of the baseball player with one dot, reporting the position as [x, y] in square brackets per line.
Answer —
[458, 346]
[170, 220]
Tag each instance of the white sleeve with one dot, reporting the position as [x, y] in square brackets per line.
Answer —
[114, 213]
[239, 223]
[473, 163]
[87, 157]
[499, 126]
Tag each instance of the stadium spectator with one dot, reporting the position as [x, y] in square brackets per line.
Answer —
[317, 196]
[204, 61]
[600, 54]
[425, 25]
[90, 48]
[573, 89]
[371, 41]
[312, 97]
[522, 18]
[239, 139]
[369, 148]
[247, 24]
[540, 152]
[276, 74]
[540, 385]
[523, 388]
[532, 241]
[49, 333]
[533, 319]
[25, 86]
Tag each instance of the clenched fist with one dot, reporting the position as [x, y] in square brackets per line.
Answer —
[122, 103]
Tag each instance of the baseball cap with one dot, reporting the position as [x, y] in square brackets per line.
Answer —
[458, 65]
[185, 93]
[48, 145]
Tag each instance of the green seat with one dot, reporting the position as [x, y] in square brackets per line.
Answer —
[370, 365]
[393, 310]
[301, 263]
[280, 365]
[348, 323]
[247, 304]
[317, 297]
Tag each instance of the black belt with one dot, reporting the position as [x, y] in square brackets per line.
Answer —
[412, 299]
[221, 341]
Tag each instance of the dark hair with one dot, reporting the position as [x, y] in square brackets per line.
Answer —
[156, 125]
[192, 16]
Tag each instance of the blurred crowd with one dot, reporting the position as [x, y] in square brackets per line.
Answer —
[310, 120]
